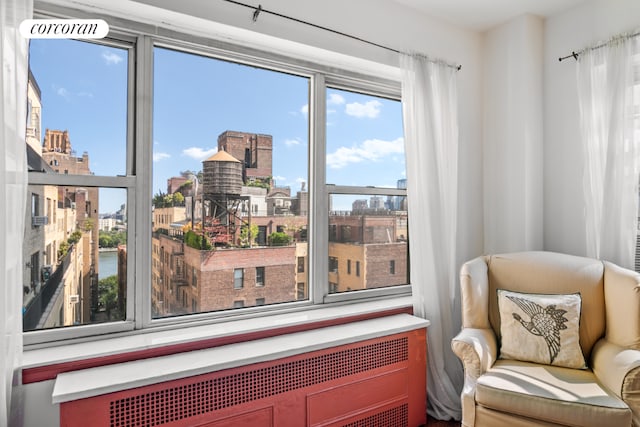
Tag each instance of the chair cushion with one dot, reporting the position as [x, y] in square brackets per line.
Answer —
[553, 394]
[541, 328]
[552, 273]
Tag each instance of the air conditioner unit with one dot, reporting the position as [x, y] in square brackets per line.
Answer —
[37, 221]
[74, 299]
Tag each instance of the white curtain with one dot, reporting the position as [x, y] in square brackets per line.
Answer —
[430, 115]
[13, 191]
[606, 77]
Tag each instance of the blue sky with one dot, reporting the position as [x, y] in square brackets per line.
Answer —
[197, 98]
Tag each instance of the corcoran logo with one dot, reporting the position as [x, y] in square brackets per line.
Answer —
[64, 28]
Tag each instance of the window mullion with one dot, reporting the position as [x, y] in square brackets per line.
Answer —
[143, 170]
[319, 198]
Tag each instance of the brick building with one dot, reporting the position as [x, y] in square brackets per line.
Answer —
[253, 150]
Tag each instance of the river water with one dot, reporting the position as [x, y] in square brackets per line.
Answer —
[108, 263]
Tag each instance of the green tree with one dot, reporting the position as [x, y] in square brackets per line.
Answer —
[178, 199]
[196, 241]
[75, 237]
[279, 238]
[248, 234]
[63, 249]
[108, 294]
[158, 199]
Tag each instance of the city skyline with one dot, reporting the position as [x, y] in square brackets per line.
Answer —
[364, 133]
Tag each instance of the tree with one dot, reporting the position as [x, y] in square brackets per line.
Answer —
[75, 237]
[158, 199]
[63, 249]
[248, 234]
[108, 294]
[178, 199]
[196, 241]
[279, 238]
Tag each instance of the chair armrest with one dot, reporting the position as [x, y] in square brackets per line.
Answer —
[477, 349]
[618, 368]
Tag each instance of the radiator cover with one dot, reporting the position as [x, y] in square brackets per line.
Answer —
[378, 382]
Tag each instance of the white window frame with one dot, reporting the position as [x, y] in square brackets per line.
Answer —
[138, 178]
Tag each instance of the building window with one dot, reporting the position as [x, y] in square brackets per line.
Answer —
[301, 294]
[392, 267]
[238, 304]
[259, 276]
[168, 192]
[238, 278]
[333, 264]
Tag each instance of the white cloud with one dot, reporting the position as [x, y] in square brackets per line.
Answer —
[159, 156]
[371, 150]
[85, 94]
[279, 179]
[335, 99]
[199, 153]
[291, 142]
[370, 109]
[111, 58]
[304, 109]
[62, 92]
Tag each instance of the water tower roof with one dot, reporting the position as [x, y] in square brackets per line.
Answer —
[222, 156]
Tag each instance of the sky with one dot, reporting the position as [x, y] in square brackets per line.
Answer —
[84, 90]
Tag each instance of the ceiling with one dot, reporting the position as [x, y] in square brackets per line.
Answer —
[482, 15]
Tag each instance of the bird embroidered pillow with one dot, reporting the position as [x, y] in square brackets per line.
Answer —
[541, 328]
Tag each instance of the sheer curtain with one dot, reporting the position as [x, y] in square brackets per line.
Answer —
[429, 108]
[608, 91]
[13, 191]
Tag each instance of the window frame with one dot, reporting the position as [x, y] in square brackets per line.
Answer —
[140, 39]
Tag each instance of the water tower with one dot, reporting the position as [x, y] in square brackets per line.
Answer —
[222, 185]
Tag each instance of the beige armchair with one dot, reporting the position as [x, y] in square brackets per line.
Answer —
[501, 392]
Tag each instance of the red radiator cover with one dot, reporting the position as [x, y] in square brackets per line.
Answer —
[378, 382]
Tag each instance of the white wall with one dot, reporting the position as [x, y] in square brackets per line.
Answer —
[573, 30]
[513, 213]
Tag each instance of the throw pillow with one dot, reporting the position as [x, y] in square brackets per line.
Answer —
[541, 328]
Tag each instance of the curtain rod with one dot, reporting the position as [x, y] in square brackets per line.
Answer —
[259, 9]
[575, 55]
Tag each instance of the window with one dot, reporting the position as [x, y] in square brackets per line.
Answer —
[259, 276]
[333, 264]
[392, 267]
[68, 172]
[211, 173]
[238, 278]
[367, 188]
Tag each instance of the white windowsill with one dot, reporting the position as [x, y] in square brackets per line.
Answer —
[33, 358]
[112, 378]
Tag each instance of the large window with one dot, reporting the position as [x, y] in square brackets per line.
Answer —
[173, 176]
[78, 93]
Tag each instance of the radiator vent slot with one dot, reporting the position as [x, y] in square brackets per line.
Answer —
[394, 417]
[203, 396]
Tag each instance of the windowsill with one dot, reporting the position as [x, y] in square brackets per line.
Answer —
[108, 379]
[155, 343]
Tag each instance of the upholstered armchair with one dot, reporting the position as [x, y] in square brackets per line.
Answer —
[603, 389]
